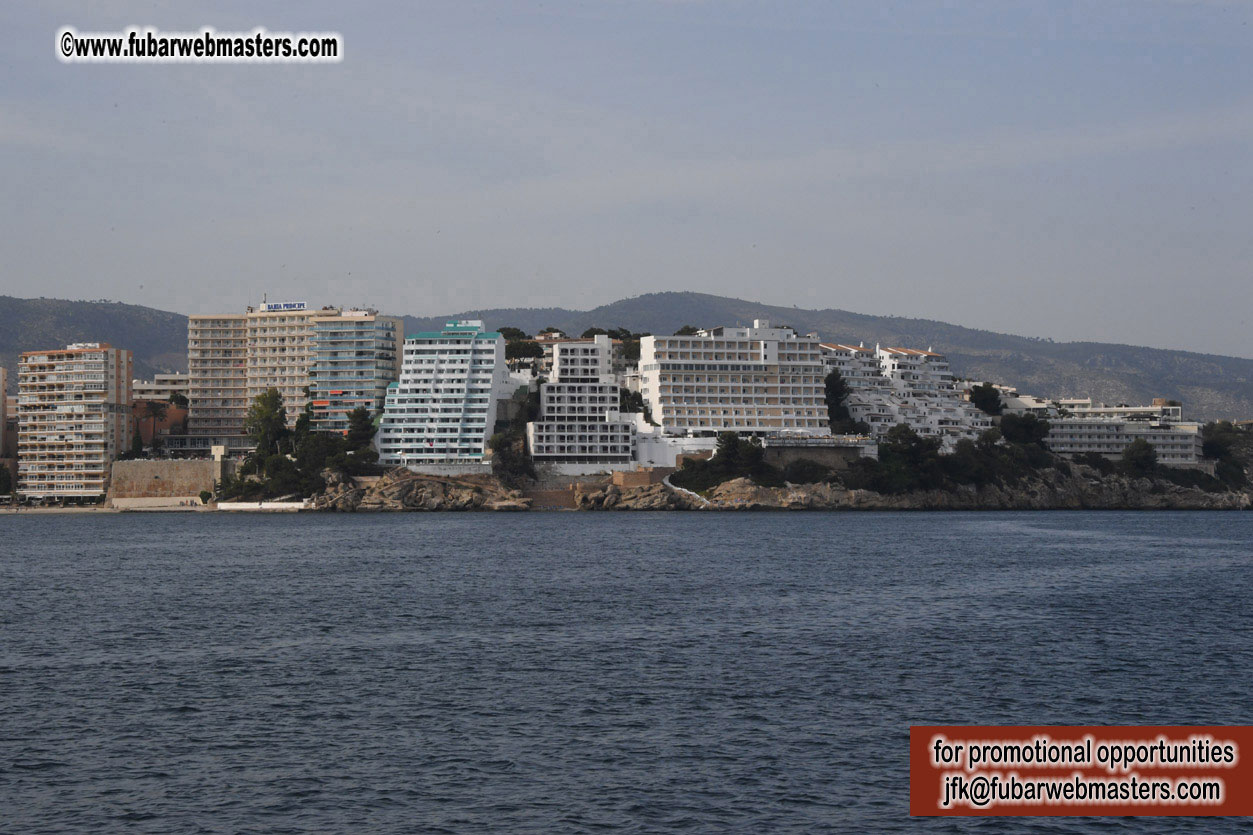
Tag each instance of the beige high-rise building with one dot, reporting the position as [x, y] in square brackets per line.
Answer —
[217, 372]
[232, 358]
[74, 418]
[280, 352]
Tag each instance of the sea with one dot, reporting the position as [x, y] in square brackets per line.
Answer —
[585, 672]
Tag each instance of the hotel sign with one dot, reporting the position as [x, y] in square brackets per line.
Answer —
[272, 306]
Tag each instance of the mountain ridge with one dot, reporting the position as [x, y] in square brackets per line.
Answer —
[1211, 386]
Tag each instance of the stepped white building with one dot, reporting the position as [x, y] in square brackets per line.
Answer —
[758, 380]
[442, 411]
[891, 386]
[580, 419]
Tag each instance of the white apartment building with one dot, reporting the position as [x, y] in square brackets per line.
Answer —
[160, 387]
[891, 386]
[1177, 444]
[74, 418]
[757, 380]
[580, 419]
[442, 411]
[233, 358]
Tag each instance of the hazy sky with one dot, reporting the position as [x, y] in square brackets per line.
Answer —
[1080, 170]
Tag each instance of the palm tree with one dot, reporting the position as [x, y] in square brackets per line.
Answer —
[154, 410]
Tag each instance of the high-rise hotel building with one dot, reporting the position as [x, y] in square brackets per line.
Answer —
[233, 358]
[443, 409]
[356, 356]
[758, 380]
[74, 418]
[280, 352]
[217, 374]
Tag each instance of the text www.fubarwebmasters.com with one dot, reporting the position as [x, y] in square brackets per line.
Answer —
[207, 45]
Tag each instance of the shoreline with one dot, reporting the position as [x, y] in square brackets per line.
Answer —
[71, 511]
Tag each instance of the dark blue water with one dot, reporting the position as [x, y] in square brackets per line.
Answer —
[577, 672]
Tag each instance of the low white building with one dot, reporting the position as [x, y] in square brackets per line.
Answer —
[161, 387]
[580, 421]
[441, 413]
[892, 386]
[1088, 408]
[1177, 443]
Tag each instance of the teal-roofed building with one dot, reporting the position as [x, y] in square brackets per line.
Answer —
[443, 409]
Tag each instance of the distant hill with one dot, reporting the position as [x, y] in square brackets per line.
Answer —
[157, 338]
[1210, 386]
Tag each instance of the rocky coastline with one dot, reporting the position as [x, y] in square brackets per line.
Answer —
[1082, 488]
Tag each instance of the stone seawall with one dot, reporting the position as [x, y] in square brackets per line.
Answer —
[173, 480]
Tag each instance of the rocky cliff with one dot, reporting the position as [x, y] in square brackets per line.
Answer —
[650, 497]
[1082, 489]
[402, 489]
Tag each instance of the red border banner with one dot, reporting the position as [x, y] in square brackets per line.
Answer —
[1080, 770]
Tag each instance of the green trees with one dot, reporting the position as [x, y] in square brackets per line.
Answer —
[361, 429]
[523, 349]
[137, 445]
[687, 330]
[633, 401]
[509, 459]
[178, 400]
[155, 410]
[1139, 459]
[512, 334]
[1231, 448]
[266, 422]
[1024, 429]
[6, 480]
[987, 398]
[910, 462]
[837, 391]
[590, 332]
[734, 457]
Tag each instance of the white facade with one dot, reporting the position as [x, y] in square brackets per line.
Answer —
[160, 387]
[580, 420]
[1177, 444]
[74, 418]
[755, 381]
[891, 386]
[443, 409]
[1088, 408]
